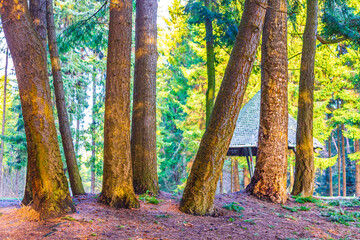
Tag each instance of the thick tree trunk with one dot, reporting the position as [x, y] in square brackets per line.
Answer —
[304, 163]
[143, 138]
[199, 193]
[51, 195]
[357, 170]
[210, 64]
[64, 126]
[339, 160]
[269, 180]
[93, 140]
[343, 159]
[331, 191]
[118, 190]
[38, 14]
[3, 121]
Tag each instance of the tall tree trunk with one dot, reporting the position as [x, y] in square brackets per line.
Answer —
[3, 121]
[357, 169]
[38, 16]
[210, 64]
[331, 191]
[118, 190]
[291, 177]
[231, 176]
[236, 176]
[143, 138]
[304, 160]
[93, 140]
[51, 195]
[199, 193]
[339, 160]
[269, 180]
[343, 159]
[64, 126]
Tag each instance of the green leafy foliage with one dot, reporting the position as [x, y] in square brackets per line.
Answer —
[234, 206]
[146, 197]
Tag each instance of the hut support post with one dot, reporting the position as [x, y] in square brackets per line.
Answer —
[251, 162]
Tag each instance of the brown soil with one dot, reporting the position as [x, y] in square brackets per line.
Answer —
[258, 220]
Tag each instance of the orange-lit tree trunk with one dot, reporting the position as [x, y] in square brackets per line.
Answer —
[51, 195]
[199, 193]
[357, 170]
[118, 190]
[143, 134]
[64, 126]
[246, 177]
[269, 180]
[304, 159]
[236, 176]
[343, 159]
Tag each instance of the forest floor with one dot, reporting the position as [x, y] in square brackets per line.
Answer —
[245, 218]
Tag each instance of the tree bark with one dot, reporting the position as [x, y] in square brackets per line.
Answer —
[93, 140]
[221, 183]
[331, 191]
[236, 176]
[246, 177]
[357, 170]
[269, 180]
[339, 160]
[118, 190]
[51, 197]
[304, 160]
[38, 13]
[210, 64]
[199, 193]
[64, 126]
[143, 134]
[231, 176]
[3, 121]
[343, 159]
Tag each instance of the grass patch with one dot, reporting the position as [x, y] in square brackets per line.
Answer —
[234, 206]
[296, 209]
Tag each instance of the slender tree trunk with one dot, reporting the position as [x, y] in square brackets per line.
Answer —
[199, 193]
[118, 190]
[304, 163]
[210, 64]
[93, 140]
[269, 180]
[221, 183]
[357, 169]
[291, 177]
[246, 177]
[236, 176]
[331, 191]
[343, 159]
[339, 160]
[51, 195]
[77, 137]
[3, 121]
[143, 138]
[64, 126]
[231, 176]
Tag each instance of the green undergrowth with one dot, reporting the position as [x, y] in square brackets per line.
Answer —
[234, 206]
[300, 199]
[344, 217]
[147, 198]
[296, 209]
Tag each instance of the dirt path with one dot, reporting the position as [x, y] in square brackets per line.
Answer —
[255, 220]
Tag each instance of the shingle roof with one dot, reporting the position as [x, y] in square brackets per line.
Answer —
[247, 127]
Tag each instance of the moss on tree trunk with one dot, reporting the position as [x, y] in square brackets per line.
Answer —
[50, 191]
[199, 193]
[269, 180]
[118, 188]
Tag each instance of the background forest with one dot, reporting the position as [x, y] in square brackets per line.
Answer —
[82, 28]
